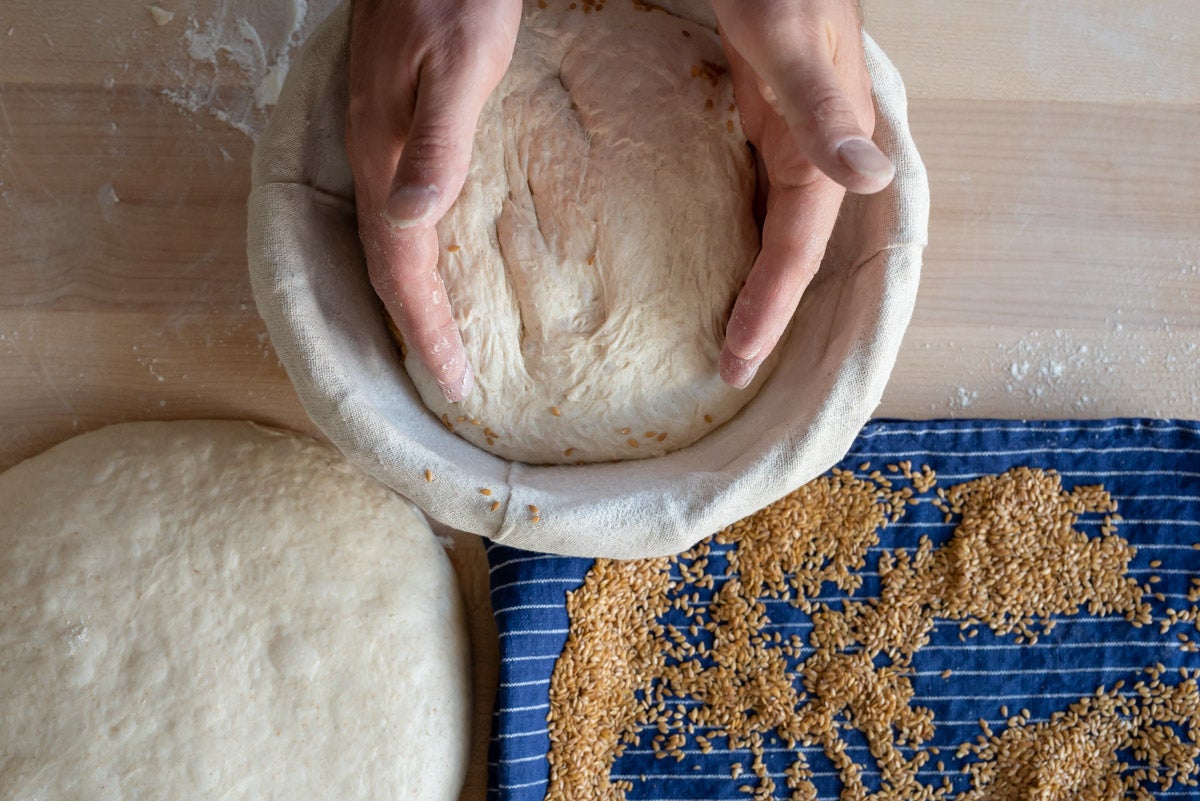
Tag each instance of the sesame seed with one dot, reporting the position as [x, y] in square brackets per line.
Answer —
[637, 668]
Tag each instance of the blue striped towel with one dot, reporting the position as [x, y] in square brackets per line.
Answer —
[1112, 521]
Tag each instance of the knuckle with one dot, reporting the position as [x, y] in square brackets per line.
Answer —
[433, 148]
[463, 45]
[448, 47]
[809, 255]
[468, 50]
[830, 107]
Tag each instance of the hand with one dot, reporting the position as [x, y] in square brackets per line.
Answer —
[420, 72]
[802, 88]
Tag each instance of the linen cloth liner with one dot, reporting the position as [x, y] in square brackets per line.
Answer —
[312, 290]
[1152, 470]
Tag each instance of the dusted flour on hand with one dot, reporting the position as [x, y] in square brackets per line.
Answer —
[601, 239]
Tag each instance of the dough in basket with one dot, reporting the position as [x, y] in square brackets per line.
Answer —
[604, 231]
[215, 610]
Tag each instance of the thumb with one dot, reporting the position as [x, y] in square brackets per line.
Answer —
[437, 151]
[808, 60]
[818, 110]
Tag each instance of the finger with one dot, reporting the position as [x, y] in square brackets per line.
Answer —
[810, 68]
[437, 150]
[818, 111]
[795, 231]
[404, 273]
[427, 179]
[409, 185]
[402, 262]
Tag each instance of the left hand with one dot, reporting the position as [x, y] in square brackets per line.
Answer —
[802, 88]
[420, 72]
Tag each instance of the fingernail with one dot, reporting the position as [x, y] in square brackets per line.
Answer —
[747, 353]
[737, 373]
[410, 205]
[459, 389]
[862, 156]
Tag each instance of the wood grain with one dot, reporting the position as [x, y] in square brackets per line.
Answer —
[1135, 52]
[1062, 277]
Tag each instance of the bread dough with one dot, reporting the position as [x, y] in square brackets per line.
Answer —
[216, 610]
[604, 231]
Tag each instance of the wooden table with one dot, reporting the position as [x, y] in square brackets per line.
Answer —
[1062, 277]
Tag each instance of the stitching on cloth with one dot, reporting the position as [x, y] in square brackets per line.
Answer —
[504, 527]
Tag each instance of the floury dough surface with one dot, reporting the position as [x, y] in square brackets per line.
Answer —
[604, 231]
[214, 610]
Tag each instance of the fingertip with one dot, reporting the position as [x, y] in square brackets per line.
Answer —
[743, 339]
[411, 205]
[868, 163]
[735, 371]
[457, 390]
[740, 344]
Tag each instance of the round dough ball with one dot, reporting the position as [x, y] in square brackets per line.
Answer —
[604, 231]
[217, 610]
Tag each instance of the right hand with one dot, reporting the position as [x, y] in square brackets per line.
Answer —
[802, 87]
[420, 73]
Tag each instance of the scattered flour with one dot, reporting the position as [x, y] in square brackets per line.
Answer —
[160, 15]
[75, 637]
[107, 197]
[1081, 372]
[266, 94]
[1041, 364]
[965, 397]
[238, 56]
